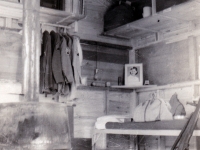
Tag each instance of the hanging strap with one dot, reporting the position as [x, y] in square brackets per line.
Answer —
[146, 110]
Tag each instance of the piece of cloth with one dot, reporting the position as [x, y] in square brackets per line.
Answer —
[101, 121]
[177, 107]
[46, 74]
[56, 60]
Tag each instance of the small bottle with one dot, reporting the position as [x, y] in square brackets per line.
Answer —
[119, 81]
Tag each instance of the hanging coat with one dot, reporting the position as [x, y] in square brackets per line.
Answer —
[69, 41]
[46, 77]
[66, 61]
[56, 60]
[77, 59]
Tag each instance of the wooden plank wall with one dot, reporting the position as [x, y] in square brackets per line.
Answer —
[166, 63]
[92, 24]
[94, 102]
[118, 102]
[109, 61]
[11, 65]
[86, 111]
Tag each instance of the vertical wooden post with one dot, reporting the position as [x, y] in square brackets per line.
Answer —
[192, 57]
[31, 49]
[8, 22]
[106, 105]
[196, 90]
[153, 3]
[133, 142]
[161, 143]
[132, 57]
[68, 6]
[70, 110]
[102, 141]
[198, 56]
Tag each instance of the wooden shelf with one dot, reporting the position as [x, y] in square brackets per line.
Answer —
[175, 23]
[133, 87]
[47, 15]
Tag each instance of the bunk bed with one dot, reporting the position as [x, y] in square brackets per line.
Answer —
[170, 128]
[154, 128]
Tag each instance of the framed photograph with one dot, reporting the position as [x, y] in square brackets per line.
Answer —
[133, 74]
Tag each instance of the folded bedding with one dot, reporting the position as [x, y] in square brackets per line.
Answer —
[101, 121]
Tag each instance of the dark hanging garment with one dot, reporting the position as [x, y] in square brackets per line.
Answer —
[53, 45]
[66, 61]
[45, 64]
[56, 60]
[69, 41]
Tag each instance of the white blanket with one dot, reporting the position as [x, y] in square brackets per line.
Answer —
[101, 121]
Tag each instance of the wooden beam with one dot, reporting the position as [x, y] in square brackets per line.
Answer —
[31, 49]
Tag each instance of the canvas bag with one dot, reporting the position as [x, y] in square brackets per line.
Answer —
[118, 15]
[152, 110]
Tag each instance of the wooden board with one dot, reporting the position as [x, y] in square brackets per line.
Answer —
[11, 56]
[165, 63]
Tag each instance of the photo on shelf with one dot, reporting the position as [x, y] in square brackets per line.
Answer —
[133, 74]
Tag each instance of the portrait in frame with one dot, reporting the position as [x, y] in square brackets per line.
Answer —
[133, 74]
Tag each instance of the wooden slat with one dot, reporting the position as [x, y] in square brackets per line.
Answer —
[88, 44]
[133, 87]
[118, 107]
[169, 86]
[102, 57]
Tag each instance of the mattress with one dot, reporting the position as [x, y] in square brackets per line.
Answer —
[154, 125]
